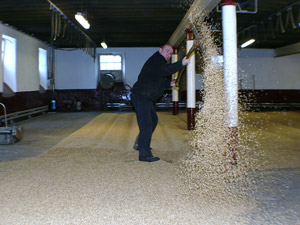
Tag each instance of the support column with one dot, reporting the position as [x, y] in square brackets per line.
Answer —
[191, 92]
[230, 73]
[175, 90]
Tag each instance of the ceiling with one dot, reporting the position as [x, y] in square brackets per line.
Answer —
[145, 23]
[272, 24]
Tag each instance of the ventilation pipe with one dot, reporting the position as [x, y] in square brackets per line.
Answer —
[175, 94]
[230, 73]
[191, 87]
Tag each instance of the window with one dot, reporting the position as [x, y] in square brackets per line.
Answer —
[43, 68]
[110, 62]
[9, 59]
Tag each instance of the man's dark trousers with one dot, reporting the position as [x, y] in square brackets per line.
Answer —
[147, 120]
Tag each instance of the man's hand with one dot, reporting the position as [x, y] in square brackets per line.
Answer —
[172, 84]
[185, 61]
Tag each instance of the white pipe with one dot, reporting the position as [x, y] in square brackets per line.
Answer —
[230, 62]
[174, 76]
[190, 70]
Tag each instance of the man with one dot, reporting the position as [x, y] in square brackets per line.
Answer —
[148, 88]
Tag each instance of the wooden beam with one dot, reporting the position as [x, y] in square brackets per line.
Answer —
[288, 50]
[203, 6]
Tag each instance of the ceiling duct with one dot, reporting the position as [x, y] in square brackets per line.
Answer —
[286, 23]
[65, 31]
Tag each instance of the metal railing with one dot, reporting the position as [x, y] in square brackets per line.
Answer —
[24, 113]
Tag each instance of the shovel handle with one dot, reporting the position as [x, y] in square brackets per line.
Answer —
[188, 55]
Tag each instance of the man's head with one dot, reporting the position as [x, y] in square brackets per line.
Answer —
[166, 51]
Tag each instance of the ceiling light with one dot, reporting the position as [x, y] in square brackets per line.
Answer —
[247, 43]
[104, 45]
[82, 20]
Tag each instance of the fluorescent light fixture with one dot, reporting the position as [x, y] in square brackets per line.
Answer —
[82, 20]
[104, 45]
[247, 43]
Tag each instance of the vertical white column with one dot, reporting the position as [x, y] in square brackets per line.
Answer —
[230, 71]
[191, 94]
[191, 86]
[175, 90]
[230, 62]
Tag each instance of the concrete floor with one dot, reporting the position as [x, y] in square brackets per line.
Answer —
[43, 132]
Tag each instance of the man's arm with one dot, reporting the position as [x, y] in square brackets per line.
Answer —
[174, 67]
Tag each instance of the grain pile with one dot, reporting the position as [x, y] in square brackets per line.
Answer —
[93, 177]
[206, 170]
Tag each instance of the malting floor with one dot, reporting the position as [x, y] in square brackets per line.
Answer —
[80, 168]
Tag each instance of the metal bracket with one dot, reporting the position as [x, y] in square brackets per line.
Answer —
[240, 10]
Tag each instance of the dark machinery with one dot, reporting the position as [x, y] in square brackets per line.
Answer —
[10, 134]
[107, 81]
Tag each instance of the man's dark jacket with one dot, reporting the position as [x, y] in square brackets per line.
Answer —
[152, 78]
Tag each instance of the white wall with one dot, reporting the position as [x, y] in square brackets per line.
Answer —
[74, 69]
[77, 70]
[287, 72]
[268, 72]
[27, 59]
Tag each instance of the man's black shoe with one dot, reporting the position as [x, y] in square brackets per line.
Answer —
[149, 159]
